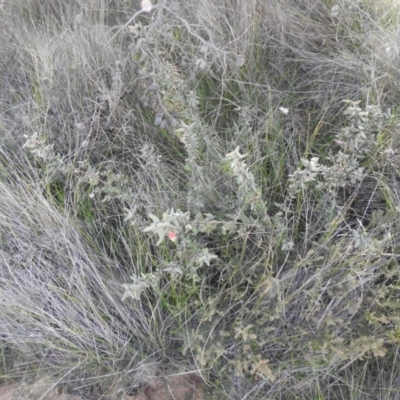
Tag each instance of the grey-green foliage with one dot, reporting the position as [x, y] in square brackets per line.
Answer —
[356, 141]
[359, 136]
[315, 274]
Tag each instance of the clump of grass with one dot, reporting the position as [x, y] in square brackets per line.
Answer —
[204, 187]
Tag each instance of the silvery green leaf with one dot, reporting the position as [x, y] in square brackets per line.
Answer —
[174, 270]
[130, 213]
[240, 60]
[157, 120]
[228, 227]
[335, 10]
[235, 155]
[287, 245]
[201, 63]
[357, 240]
[205, 257]
[305, 162]
[135, 29]
[154, 218]
[32, 142]
[314, 164]
[134, 290]
[186, 128]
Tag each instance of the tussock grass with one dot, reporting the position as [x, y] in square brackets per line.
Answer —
[229, 169]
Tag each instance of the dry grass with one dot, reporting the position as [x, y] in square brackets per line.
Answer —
[285, 288]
